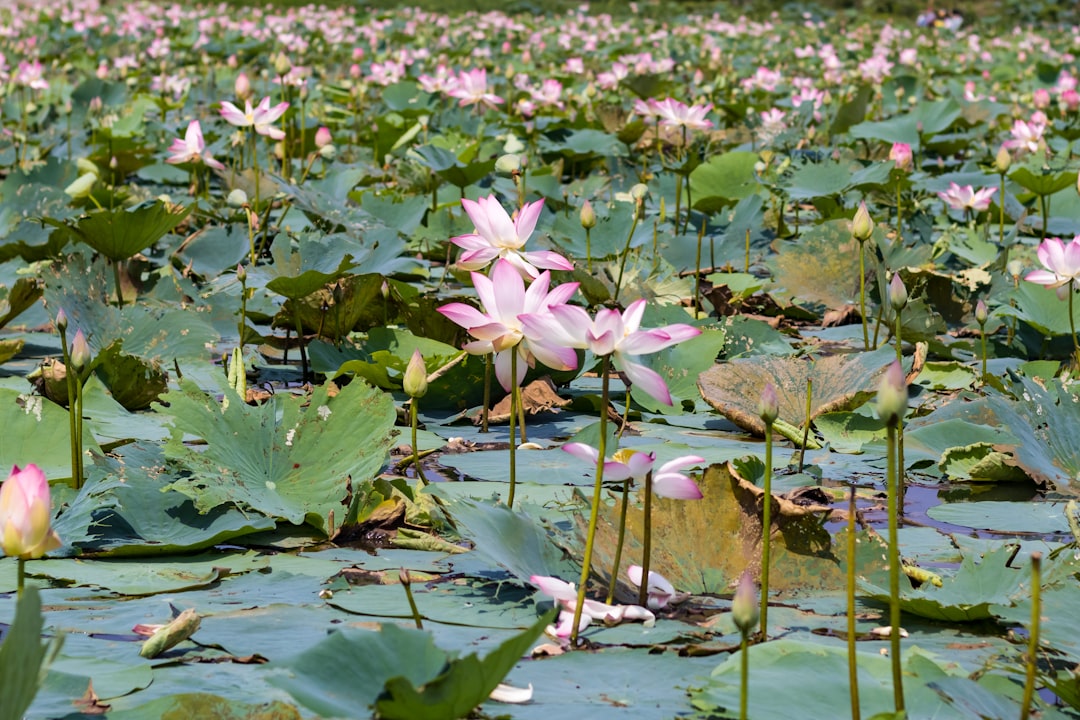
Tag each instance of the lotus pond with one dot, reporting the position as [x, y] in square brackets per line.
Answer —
[338, 349]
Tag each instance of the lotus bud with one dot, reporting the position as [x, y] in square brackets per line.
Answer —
[241, 273]
[242, 86]
[82, 187]
[901, 155]
[588, 216]
[1014, 268]
[80, 352]
[282, 66]
[892, 394]
[61, 320]
[1003, 160]
[25, 512]
[237, 198]
[862, 226]
[508, 164]
[403, 577]
[323, 137]
[744, 606]
[898, 295]
[415, 380]
[86, 167]
[768, 405]
[639, 191]
[981, 313]
[328, 152]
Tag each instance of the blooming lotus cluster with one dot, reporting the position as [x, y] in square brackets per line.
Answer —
[24, 514]
[471, 88]
[967, 197]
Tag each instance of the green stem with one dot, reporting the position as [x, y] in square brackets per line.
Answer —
[20, 577]
[588, 251]
[1033, 635]
[806, 426]
[412, 601]
[619, 543]
[746, 263]
[594, 513]
[1001, 220]
[766, 533]
[862, 294]
[513, 426]
[69, 376]
[79, 430]
[116, 279]
[625, 252]
[894, 571]
[853, 669]
[899, 218]
[744, 676]
[982, 336]
[1072, 323]
[487, 394]
[413, 410]
[646, 549]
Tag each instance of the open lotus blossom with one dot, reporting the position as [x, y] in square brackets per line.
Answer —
[262, 117]
[565, 594]
[614, 334]
[675, 114]
[499, 329]
[627, 464]
[192, 148]
[660, 590]
[25, 513]
[1028, 135]
[1062, 263]
[497, 236]
[967, 198]
[471, 88]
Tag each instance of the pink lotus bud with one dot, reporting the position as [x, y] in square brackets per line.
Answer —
[862, 226]
[323, 137]
[892, 395]
[25, 512]
[901, 155]
[80, 352]
[744, 606]
[1041, 99]
[242, 86]
[769, 406]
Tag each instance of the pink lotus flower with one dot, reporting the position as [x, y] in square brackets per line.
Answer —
[1062, 263]
[631, 465]
[497, 236]
[192, 148]
[675, 114]
[262, 117]
[900, 153]
[565, 594]
[499, 328]
[1028, 135]
[472, 89]
[614, 334]
[967, 198]
[660, 590]
[25, 513]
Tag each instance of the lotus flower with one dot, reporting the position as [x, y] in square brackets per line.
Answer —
[967, 198]
[626, 465]
[262, 117]
[565, 594]
[659, 588]
[675, 114]
[192, 148]
[24, 514]
[497, 236]
[1062, 263]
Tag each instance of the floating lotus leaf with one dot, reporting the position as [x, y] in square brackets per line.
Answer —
[840, 382]
[335, 310]
[316, 261]
[132, 382]
[293, 458]
[24, 658]
[124, 232]
[725, 178]
[19, 297]
[703, 546]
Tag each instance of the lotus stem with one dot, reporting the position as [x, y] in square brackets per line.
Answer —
[899, 218]
[806, 426]
[894, 569]
[414, 421]
[1042, 211]
[697, 271]
[1001, 221]
[766, 533]
[744, 675]
[20, 577]
[619, 543]
[853, 668]
[521, 414]
[1072, 324]
[646, 549]
[982, 338]
[1033, 635]
[594, 512]
[487, 394]
[626, 410]
[79, 429]
[626, 251]
[746, 263]
[72, 391]
[116, 279]
[513, 426]
[862, 294]
[588, 250]
[406, 582]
